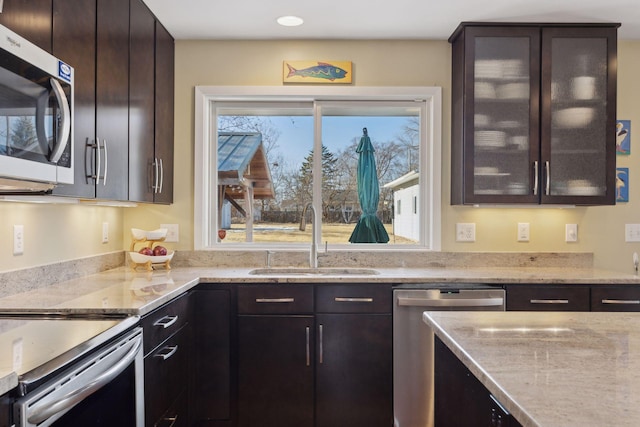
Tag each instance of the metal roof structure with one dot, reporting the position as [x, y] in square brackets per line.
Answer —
[242, 163]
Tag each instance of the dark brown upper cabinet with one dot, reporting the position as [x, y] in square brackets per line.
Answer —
[30, 19]
[533, 114]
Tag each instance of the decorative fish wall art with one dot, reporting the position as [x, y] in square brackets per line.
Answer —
[327, 72]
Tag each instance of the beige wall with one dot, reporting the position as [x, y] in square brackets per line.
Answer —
[376, 63]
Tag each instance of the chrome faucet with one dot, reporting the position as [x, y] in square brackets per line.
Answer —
[313, 253]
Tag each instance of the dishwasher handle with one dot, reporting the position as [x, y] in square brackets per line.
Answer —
[450, 302]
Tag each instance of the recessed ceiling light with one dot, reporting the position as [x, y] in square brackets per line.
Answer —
[290, 21]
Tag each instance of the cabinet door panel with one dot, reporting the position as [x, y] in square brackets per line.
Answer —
[354, 370]
[275, 371]
[30, 19]
[141, 103]
[548, 298]
[578, 119]
[615, 298]
[164, 121]
[112, 96]
[74, 41]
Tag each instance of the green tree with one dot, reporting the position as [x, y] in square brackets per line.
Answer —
[23, 133]
[329, 179]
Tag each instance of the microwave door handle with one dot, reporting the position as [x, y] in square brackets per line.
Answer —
[72, 398]
[62, 139]
[41, 110]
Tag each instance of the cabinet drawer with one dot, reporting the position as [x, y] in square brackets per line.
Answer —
[615, 298]
[165, 375]
[548, 298]
[166, 320]
[275, 299]
[354, 298]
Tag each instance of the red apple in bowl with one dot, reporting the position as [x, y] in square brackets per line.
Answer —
[146, 251]
[159, 251]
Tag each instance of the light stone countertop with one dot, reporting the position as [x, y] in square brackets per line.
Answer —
[137, 292]
[556, 369]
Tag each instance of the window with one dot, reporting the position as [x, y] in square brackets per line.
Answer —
[264, 154]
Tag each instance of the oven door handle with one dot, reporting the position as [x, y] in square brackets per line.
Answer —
[452, 302]
[72, 398]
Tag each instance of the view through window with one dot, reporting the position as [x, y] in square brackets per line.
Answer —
[270, 160]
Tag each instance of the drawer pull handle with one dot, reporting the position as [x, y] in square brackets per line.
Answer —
[341, 299]
[549, 301]
[308, 347]
[286, 300]
[166, 321]
[321, 352]
[620, 301]
[168, 354]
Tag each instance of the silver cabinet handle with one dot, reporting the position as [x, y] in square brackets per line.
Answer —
[459, 302]
[172, 350]
[155, 166]
[106, 162]
[96, 175]
[547, 187]
[549, 301]
[340, 299]
[321, 350]
[535, 178]
[161, 175]
[65, 119]
[277, 300]
[166, 321]
[620, 301]
[308, 347]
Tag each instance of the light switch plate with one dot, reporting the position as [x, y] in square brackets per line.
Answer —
[465, 232]
[571, 233]
[632, 232]
[18, 239]
[523, 232]
[173, 232]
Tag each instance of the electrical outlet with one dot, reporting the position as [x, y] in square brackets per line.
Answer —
[632, 232]
[105, 232]
[523, 232]
[465, 232]
[571, 232]
[18, 348]
[18, 239]
[173, 232]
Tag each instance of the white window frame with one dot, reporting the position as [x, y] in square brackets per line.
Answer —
[205, 159]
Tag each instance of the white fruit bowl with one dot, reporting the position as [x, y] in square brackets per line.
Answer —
[158, 234]
[139, 258]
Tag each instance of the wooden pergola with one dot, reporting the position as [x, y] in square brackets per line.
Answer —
[243, 174]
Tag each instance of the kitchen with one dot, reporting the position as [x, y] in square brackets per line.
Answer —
[424, 63]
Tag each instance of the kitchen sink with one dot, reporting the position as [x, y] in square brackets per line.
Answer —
[302, 271]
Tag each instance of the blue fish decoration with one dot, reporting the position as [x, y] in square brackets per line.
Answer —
[320, 71]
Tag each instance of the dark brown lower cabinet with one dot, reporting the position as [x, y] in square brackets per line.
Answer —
[275, 371]
[615, 298]
[5, 411]
[460, 398]
[210, 402]
[166, 381]
[548, 298]
[354, 378]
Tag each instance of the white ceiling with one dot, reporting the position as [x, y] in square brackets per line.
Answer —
[376, 19]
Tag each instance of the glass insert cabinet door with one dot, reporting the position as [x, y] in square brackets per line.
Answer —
[578, 114]
[503, 75]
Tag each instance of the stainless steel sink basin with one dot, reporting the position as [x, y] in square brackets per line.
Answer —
[302, 271]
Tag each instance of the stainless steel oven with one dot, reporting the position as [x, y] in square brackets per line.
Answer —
[99, 383]
[413, 362]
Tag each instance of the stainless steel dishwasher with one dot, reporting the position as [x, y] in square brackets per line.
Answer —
[413, 341]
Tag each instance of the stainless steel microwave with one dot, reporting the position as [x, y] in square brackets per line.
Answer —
[36, 117]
